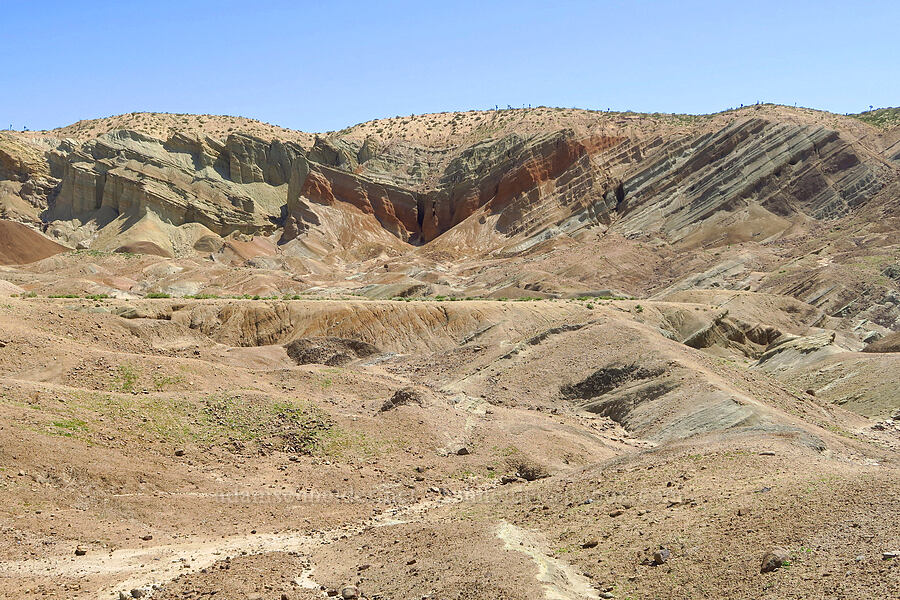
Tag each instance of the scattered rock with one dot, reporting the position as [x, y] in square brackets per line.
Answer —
[403, 397]
[890, 555]
[590, 544]
[331, 351]
[774, 560]
[461, 451]
[80, 551]
[767, 453]
[138, 593]
[349, 592]
[179, 452]
[617, 512]
[147, 537]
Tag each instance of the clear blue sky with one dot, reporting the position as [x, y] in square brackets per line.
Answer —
[319, 66]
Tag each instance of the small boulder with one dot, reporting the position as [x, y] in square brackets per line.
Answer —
[661, 556]
[179, 452]
[774, 560]
[80, 551]
[890, 555]
[349, 592]
[138, 593]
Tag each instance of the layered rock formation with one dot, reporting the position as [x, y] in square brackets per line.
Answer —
[761, 177]
[182, 180]
[653, 181]
[786, 169]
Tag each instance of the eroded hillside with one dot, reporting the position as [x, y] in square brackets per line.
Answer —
[495, 354]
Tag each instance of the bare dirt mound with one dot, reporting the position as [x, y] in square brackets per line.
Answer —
[143, 247]
[21, 245]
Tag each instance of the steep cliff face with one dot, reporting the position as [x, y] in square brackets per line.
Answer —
[238, 185]
[25, 179]
[20, 161]
[394, 208]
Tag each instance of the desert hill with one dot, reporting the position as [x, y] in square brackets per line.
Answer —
[20, 245]
[512, 353]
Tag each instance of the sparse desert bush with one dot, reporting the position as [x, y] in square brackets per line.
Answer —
[526, 468]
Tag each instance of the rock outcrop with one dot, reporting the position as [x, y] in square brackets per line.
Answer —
[182, 180]
[889, 343]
